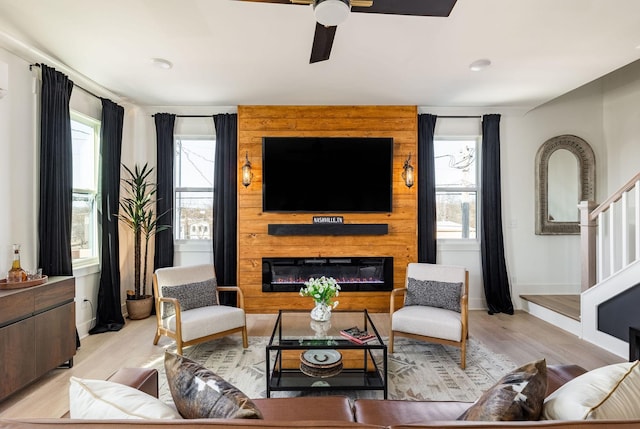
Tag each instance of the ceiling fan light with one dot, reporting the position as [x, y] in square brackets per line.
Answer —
[331, 12]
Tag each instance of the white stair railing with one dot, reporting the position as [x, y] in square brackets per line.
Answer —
[610, 234]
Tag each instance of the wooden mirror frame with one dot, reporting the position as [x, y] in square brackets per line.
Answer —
[587, 181]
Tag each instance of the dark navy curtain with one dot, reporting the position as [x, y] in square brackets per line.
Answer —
[109, 311]
[494, 269]
[163, 256]
[427, 225]
[56, 175]
[225, 216]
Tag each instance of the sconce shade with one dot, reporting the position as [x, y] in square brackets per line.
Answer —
[407, 173]
[247, 175]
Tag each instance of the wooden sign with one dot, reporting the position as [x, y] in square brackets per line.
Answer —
[328, 219]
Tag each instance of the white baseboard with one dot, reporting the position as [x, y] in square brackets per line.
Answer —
[84, 327]
[477, 304]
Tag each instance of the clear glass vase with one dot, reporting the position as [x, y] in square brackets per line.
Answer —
[321, 312]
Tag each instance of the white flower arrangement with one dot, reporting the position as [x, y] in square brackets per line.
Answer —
[322, 290]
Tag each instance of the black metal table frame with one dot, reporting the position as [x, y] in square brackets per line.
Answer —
[373, 378]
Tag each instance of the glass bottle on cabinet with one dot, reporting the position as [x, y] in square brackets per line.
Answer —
[16, 273]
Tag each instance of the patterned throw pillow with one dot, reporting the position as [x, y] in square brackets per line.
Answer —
[518, 395]
[433, 294]
[190, 295]
[199, 393]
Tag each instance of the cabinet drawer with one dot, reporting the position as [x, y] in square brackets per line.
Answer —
[16, 305]
[54, 293]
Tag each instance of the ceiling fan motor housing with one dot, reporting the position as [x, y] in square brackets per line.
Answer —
[331, 12]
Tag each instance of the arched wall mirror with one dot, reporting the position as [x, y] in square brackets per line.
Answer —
[565, 175]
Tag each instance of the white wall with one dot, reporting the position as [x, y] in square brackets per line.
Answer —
[606, 113]
[5, 163]
[18, 169]
[536, 264]
[546, 263]
[621, 111]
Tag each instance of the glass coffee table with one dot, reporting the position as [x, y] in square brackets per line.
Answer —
[305, 355]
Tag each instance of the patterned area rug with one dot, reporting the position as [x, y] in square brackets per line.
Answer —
[416, 370]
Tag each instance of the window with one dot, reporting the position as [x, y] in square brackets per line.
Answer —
[194, 188]
[85, 136]
[456, 187]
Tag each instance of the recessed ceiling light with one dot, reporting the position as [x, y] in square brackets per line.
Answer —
[479, 65]
[161, 63]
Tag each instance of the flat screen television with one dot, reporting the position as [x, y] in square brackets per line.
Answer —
[327, 174]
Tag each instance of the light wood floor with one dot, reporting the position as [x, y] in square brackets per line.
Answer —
[521, 337]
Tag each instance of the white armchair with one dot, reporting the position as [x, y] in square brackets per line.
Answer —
[188, 309]
[434, 308]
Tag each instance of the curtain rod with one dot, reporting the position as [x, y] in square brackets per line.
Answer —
[189, 116]
[31, 66]
[460, 117]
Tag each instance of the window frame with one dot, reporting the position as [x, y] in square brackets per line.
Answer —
[96, 124]
[477, 141]
[185, 244]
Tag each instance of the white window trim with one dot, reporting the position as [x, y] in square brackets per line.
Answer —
[91, 265]
[193, 245]
[464, 244]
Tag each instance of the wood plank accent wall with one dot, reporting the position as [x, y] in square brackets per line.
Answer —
[256, 122]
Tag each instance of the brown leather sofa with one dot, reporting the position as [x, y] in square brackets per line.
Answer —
[326, 411]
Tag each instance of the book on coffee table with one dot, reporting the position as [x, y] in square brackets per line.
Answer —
[357, 335]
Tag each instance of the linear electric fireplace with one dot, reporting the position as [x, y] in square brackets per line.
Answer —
[351, 273]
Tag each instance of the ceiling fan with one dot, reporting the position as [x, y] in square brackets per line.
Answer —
[330, 13]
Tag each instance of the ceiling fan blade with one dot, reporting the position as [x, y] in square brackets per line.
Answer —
[409, 7]
[322, 43]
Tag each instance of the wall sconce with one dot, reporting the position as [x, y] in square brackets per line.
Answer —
[407, 173]
[247, 175]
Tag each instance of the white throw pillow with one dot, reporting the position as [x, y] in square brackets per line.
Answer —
[610, 392]
[99, 399]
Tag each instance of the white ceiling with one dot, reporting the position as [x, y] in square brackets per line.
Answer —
[227, 52]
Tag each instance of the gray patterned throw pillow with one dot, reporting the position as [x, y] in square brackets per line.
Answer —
[199, 393]
[190, 295]
[432, 293]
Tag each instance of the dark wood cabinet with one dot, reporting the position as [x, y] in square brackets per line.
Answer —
[37, 331]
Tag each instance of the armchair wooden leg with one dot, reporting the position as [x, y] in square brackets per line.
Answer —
[245, 340]
[179, 347]
[156, 338]
[463, 355]
[391, 342]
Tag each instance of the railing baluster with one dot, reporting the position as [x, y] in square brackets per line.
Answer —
[624, 242]
[612, 241]
[637, 219]
[592, 219]
[600, 246]
[588, 248]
